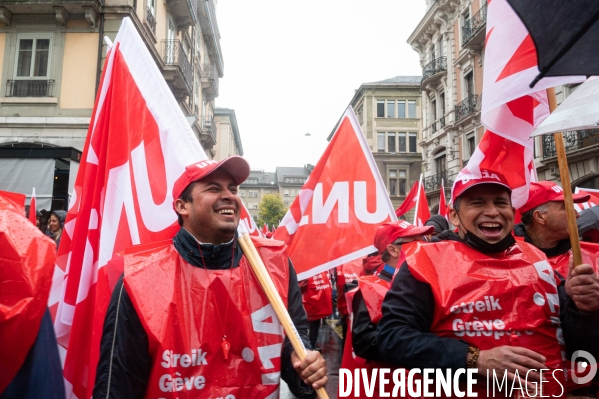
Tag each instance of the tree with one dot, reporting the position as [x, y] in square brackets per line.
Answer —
[271, 209]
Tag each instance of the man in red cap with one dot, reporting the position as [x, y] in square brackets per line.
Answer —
[479, 299]
[544, 224]
[189, 319]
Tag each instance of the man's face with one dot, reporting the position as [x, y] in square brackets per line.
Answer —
[213, 214]
[555, 220]
[485, 211]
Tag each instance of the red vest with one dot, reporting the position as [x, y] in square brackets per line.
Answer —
[346, 273]
[490, 301]
[590, 255]
[317, 297]
[175, 304]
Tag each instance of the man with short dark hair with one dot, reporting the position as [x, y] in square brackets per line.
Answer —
[481, 300]
[189, 318]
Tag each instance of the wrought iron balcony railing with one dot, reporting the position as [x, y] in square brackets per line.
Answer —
[209, 127]
[573, 140]
[174, 54]
[433, 182]
[474, 24]
[151, 20]
[434, 67]
[29, 88]
[467, 107]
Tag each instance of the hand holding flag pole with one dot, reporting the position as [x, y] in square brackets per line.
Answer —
[250, 252]
[564, 173]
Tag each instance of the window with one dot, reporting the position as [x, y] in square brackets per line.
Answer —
[33, 57]
[390, 142]
[253, 194]
[380, 109]
[299, 180]
[469, 84]
[286, 193]
[413, 137]
[411, 109]
[402, 182]
[393, 182]
[440, 163]
[441, 47]
[442, 101]
[397, 182]
[433, 53]
[251, 181]
[255, 206]
[434, 110]
[401, 109]
[255, 217]
[390, 109]
[470, 144]
[401, 142]
[242, 193]
[381, 142]
[286, 203]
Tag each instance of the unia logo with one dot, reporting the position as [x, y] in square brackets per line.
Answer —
[584, 367]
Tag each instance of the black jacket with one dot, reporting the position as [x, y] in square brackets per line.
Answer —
[404, 337]
[125, 363]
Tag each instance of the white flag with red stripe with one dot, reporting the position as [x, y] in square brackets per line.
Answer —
[510, 108]
[137, 145]
[422, 213]
[442, 202]
[333, 219]
[32, 211]
[593, 201]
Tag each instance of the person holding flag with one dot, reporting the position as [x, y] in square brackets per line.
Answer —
[482, 273]
[189, 319]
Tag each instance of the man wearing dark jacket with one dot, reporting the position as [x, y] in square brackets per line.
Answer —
[188, 319]
[480, 300]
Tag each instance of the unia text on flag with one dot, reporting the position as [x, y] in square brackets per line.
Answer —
[422, 213]
[409, 202]
[137, 145]
[32, 211]
[510, 108]
[593, 201]
[248, 222]
[333, 219]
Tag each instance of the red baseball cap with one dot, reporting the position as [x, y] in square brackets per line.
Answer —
[387, 233]
[235, 166]
[545, 191]
[461, 185]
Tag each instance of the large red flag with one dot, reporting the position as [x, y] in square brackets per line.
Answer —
[341, 203]
[32, 210]
[422, 213]
[442, 203]
[137, 145]
[510, 108]
[247, 222]
[409, 202]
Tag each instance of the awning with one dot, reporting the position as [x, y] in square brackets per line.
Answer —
[21, 175]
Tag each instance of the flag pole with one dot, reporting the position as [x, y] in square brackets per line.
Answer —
[564, 173]
[250, 252]
[417, 201]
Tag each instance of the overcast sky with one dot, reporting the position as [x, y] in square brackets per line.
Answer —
[291, 67]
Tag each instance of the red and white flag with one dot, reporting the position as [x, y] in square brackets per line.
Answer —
[341, 203]
[593, 201]
[442, 203]
[422, 213]
[137, 145]
[247, 223]
[510, 108]
[410, 201]
[32, 211]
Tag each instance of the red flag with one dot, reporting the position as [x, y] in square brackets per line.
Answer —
[138, 144]
[422, 213]
[32, 211]
[264, 229]
[342, 203]
[593, 201]
[442, 204]
[510, 108]
[409, 202]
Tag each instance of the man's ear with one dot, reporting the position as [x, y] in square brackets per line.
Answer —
[453, 217]
[393, 251]
[181, 207]
[538, 216]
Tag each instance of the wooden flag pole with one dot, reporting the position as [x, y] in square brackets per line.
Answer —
[250, 252]
[564, 173]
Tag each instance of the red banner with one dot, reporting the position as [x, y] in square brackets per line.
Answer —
[593, 201]
[341, 204]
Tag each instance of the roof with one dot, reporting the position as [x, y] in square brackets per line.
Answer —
[411, 80]
[285, 171]
[264, 178]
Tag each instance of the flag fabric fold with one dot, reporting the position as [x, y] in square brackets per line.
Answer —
[32, 209]
[422, 213]
[409, 202]
[442, 202]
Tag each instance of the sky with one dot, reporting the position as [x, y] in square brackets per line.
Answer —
[291, 67]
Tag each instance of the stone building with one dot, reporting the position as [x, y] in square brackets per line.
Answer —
[51, 59]
[228, 140]
[450, 43]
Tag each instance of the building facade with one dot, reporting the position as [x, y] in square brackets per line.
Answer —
[228, 140]
[51, 58]
[450, 43]
[389, 112]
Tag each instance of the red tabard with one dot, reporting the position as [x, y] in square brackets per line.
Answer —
[590, 255]
[174, 301]
[374, 290]
[490, 301]
[346, 273]
[317, 297]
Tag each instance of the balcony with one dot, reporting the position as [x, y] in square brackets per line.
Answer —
[207, 132]
[574, 140]
[473, 31]
[29, 88]
[468, 107]
[184, 12]
[433, 183]
[177, 69]
[210, 33]
[434, 69]
[209, 81]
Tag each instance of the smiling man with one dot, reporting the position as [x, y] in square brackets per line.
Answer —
[479, 299]
[188, 318]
